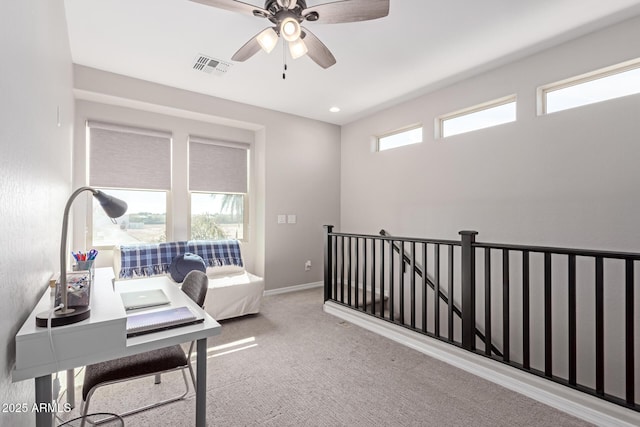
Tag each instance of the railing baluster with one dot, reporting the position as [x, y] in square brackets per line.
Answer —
[365, 271]
[357, 269]
[413, 284]
[572, 321]
[373, 278]
[450, 289]
[487, 301]
[526, 339]
[599, 326]
[342, 269]
[505, 305]
[382, 278]
[548, 331]
[392, 303]
[436, 288]
[335, 268]
[424, 287]
[401, 270]
[349, 287]
[628, 342]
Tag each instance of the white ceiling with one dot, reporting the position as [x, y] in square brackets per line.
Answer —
[421, 45]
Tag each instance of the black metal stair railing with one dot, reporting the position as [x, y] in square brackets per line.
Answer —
[556, 313]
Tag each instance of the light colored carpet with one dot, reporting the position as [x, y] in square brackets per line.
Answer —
[294, 365]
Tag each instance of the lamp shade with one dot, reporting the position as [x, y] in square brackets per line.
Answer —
[297, 48]
[268, 39]
[112, 206]
[290, 29]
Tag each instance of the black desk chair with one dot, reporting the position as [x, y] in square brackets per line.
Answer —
[154, 362]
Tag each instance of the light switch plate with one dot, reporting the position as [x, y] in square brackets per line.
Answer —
[282, 219]
[291, 219]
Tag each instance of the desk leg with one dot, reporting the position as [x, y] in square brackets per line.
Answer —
[201, 383]
[71, 388]
[44, 395]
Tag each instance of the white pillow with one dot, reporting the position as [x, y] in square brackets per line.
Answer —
[224, 270]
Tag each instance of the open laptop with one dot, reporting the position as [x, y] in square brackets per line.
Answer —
[143, 299]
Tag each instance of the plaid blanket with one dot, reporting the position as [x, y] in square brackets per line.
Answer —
[148, 259]
[155, 258]
[217, 253]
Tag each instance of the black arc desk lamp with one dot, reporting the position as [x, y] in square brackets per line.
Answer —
[114, 208]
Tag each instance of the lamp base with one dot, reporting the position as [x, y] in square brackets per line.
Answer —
[58, 318]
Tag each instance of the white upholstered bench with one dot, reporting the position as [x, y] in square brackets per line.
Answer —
[233, 291]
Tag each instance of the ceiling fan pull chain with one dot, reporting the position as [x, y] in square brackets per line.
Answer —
[284, 61]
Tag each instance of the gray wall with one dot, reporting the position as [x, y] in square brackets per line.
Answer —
[568, 178]
[295, 170]
[35, 169]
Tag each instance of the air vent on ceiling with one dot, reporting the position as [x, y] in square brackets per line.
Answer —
[210, 65]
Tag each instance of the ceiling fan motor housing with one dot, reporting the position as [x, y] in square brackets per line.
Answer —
[275, 9]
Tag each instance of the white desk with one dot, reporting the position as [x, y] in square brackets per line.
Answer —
[103, 337]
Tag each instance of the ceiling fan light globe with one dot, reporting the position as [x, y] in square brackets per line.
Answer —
[290, 29]
[297, 48]
[268, 39]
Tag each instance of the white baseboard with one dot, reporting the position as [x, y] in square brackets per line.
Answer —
[573, 402]
[295, 288]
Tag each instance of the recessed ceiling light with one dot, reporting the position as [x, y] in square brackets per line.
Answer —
[334, 109]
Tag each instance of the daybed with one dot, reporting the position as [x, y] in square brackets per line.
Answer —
[232, 291]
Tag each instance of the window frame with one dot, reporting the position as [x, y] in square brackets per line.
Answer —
[405, 129]
[498, 102]
[600, 73]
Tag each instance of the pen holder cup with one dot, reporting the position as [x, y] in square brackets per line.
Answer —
[78, 288]
[83, 265]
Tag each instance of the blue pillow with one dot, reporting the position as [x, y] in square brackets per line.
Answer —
[181, 265]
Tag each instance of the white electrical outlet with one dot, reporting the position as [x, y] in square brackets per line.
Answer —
[291, 219]
[307, 265]
[282, 219]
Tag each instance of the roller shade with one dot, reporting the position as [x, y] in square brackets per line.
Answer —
[217, 167]
[127, 157]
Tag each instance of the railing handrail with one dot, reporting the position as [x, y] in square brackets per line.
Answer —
[541, 249]
[561, 251]
[395, 238]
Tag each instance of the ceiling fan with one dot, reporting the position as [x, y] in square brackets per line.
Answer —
[287, 15]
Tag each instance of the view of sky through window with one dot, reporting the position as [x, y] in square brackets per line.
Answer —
[399, 139]
[480, 119]
[592, 91]
[145, 220]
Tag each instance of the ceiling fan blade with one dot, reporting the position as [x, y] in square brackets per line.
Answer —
[249, 49]
[317, 50]
[235, 6]
[349, 11]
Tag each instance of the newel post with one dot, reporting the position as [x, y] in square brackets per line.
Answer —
[328, 261]
[468, 289]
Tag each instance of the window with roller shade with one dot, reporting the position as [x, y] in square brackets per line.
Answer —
[134, 165]
[218, 185]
